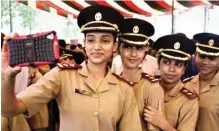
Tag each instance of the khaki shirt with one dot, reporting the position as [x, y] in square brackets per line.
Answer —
[39, 120]
[16, 123]
[147, 93]
[208, 119]
[180, 110]
[110, 107]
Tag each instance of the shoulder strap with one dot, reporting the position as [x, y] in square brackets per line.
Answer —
[150, 77]
[68, 66]
[189, 94]
[123, 79]
[188, 79]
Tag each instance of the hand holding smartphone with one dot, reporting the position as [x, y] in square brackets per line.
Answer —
[34, 49]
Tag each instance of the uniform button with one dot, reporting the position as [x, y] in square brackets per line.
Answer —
[95, 95]
[95, 113]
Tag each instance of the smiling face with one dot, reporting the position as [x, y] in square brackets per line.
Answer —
[132, 55]
[99, 46]
[207, 64]
[171, 70]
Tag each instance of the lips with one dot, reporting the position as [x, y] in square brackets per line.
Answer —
[132, 60]
[170, 76]
[204, 68]
[97, 54]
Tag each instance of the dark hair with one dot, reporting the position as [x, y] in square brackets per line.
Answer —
[114, 35]
[79, 46]
[160, 57]
[72, 47]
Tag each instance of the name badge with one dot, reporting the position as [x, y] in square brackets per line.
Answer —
[83, 92]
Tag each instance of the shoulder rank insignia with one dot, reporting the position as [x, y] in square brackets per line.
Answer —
[68, 66]
[188, 79]
[188, 93]
[123, 79]
[150, 77]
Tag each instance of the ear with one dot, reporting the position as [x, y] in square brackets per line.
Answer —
[115, 46]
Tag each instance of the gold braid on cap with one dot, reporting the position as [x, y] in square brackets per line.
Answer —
[188, 56]
[206, 53]
[65, 56]
[134, 42]
[207, 46]
[113, 28]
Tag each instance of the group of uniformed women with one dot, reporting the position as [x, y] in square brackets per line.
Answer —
[92, 98]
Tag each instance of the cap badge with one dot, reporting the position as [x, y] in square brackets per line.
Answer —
[211, 42]
[177, 45]
[98, 16]
[135, 29]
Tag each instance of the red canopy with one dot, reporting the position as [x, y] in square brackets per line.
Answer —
[128, 8]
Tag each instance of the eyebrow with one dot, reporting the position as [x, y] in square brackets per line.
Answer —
[100, 36]
[90, 35]
[105, 36]
[166, 59]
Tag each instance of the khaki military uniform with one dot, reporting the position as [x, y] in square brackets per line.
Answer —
[181, 108]
[16, 123]
[208, 119]
[40, 120]
[148, 92]
[83, 107]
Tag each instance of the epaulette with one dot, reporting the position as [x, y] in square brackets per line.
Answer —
[68, 66]
[150, 77]
[188, 79]
[123, 79]
[188, 93]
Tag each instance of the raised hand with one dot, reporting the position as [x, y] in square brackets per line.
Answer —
[154, 116]
[7, 70]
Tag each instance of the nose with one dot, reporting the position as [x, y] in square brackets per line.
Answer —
[205, 61]
[97, 45]
[171, 67]
[133, 51]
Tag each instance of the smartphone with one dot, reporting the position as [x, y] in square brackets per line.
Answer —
[34, 49]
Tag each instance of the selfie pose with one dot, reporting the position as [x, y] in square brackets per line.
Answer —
[180, 111]
[90, 97]
[134, 37]
[206, 83]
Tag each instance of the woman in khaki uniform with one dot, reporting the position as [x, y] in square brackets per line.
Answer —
[134, 36]
[180, 104]
[206, 83]
[16, 123]
[90, 97]
[39, 121]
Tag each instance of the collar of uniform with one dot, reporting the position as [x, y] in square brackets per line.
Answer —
[138, 75]
[215, 80]
[84, 71]
[176, 89]
[173, 92]
[195, 79]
